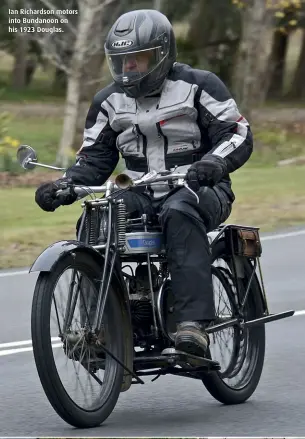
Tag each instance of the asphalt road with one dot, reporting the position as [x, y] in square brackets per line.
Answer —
[170, 406]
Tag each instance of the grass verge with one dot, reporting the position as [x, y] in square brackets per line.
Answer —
[269, 198]
[27, 230]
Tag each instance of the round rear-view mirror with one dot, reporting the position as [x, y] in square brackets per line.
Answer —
[25, 155]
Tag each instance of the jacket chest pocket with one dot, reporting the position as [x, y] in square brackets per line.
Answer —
[131, 143]
[177, 119]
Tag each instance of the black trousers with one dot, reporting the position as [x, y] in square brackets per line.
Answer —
[185, 225]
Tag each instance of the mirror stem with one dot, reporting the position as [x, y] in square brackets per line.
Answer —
[46, 166]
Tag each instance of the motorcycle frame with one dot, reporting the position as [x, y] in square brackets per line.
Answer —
[111, 251]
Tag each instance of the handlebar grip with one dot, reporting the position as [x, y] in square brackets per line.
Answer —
[79, 191]
[62, 192]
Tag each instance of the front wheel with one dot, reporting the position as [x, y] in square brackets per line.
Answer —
[242, 364]
[81, 381]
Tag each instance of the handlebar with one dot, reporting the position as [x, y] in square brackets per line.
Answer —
[111, 187]
[82, 190]
[27, 157]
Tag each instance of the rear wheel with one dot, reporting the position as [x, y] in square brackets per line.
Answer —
[81, 382]
[242, 365]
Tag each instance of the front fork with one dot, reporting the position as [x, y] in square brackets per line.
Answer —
[110, 248]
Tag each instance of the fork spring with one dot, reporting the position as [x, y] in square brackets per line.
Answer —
[91, 226]
[121, 224]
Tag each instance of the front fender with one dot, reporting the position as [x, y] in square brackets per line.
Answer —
[55, 252]
[52, 254]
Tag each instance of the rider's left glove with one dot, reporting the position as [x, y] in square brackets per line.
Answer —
[46, 198]
[206, 172]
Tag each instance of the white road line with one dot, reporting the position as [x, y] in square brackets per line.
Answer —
[283, 235]
[15, 343]
[15, 351]
[14, 273]
[22, 343]
[19, 350]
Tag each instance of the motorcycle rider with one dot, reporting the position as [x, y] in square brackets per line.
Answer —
[160, 114]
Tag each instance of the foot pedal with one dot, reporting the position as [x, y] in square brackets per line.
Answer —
[193, 360]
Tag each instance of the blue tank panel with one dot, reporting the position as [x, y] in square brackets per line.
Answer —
[144, 242]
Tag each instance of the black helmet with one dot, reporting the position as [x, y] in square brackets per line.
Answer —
[140, 50]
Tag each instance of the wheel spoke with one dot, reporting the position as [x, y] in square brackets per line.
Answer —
[57, 316]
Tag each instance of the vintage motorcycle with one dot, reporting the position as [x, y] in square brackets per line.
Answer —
[113, 321]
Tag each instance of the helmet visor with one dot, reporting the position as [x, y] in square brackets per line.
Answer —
[130, 67]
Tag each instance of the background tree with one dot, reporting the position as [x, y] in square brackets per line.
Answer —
[85, 44]
[287, 18]
[297, 90]
[297, 85]
[214, 36]
[252, 57]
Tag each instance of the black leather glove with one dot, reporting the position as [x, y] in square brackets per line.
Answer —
[45, 195]
[206, 172]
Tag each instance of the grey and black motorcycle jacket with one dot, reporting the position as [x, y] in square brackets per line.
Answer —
[193, 115]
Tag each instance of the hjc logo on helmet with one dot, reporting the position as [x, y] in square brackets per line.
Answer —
[122, 43]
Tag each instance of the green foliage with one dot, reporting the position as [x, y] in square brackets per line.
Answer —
[8, 146]
[187, 52]
[288, 14]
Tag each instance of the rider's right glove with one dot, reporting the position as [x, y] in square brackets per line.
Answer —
[46, 198]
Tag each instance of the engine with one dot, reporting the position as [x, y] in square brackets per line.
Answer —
[140, 300]
[141, 312]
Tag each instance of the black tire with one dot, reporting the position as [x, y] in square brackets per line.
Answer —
[54, 389]
[214, 382]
